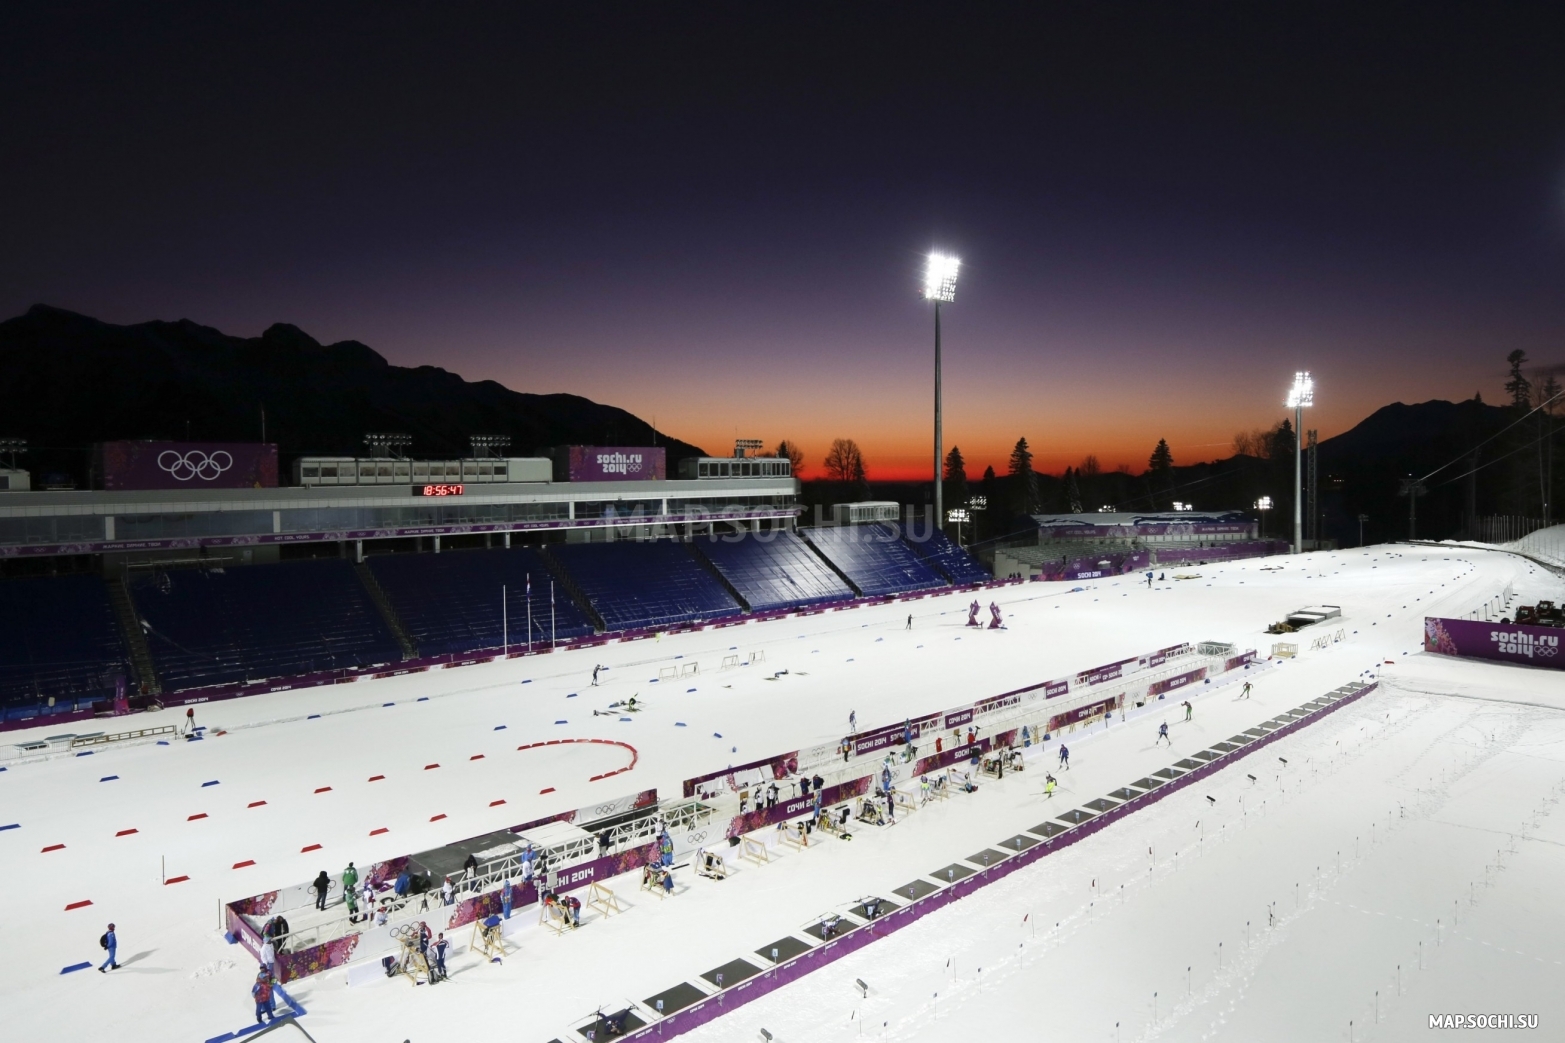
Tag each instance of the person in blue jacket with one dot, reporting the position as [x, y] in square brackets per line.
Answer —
[262, 991]
[110, 943]
[403, 882]
[666, 848]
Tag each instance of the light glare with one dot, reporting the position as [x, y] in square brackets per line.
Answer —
[940, 278]
[1302, 394]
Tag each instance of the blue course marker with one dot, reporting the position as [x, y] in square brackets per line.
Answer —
[573, 695]
[689, 690]
[499, 727]
[422, 699]
[561, 722]
[677, 724]
[108, 778]
[161, 742]
[527, 680]
[388, 704]
[312, 717]
[214, 782]
[85, 753]
[14, 825]
[717, 735]
[75, 967]
[624, 718]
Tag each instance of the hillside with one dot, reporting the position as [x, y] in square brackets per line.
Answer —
[72, 380]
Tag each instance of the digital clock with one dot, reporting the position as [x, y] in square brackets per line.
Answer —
[437, 490]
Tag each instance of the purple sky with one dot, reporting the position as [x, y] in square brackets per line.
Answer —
[718, 221]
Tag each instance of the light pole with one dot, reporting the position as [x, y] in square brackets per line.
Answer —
[1302, 394]
[940, 287]
[1263, 505]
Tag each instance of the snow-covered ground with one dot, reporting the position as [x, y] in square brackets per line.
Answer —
[1438, 791]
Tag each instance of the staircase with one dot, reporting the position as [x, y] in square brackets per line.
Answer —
[568, 584]
[706, 563]
[146, 674]
[387, 613]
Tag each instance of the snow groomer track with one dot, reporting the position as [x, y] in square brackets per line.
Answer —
[772, 965]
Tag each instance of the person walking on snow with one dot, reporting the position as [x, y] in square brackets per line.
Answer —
[111, 943]
[1162, 734]
[1188, 709]
[1065, 757]
[269, 957]
[853, 722]
[595, 668]
[909, 622]
[1244, 693]
[262, 991]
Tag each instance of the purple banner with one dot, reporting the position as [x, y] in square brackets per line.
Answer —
[797, 807]
[1099, 674]
[1082, 713]
[959, 718]
[1506, 643]
[1168, 684]
[1055, 689]
[1162, 655]
[187, 465]
[781, 766]
[595, 463]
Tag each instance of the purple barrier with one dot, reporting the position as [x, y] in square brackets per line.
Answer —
[797, 807]
[1505, 643]
[1168, 684]
[788, 971]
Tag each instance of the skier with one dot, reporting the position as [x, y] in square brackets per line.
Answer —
[262, 991]
[1048, 786]
[1245, 692]
[909, 622]
[1189, 710]
[595, 670]
[923, 790]
[853, 722]
[1065, 757]
[111, 943]
[1149, 581]
[321, 887]
[1162, 734]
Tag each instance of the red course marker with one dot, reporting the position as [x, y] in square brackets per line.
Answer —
[427, 767]
[309, 848]
[437, 818]
[543, 791]
[382, 829]
[79, 905]
[199, 814]
[51, 847]
[127, 832]
[323, 789]
[476, 757]
[377, 778]
[255, 803]
[246, 862]
[496, 803]
[176, 880]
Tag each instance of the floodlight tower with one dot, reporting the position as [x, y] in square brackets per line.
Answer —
[940, 287]
[1302, 394]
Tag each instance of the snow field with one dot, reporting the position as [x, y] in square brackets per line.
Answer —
[860, 659]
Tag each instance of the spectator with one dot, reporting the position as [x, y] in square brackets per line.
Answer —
[321, 887]
[111, 943]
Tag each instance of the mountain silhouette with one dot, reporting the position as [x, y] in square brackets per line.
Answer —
[73, 380]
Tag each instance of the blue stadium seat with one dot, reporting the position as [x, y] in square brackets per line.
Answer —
[633, 584]
[59, 638]
[950, 560]
[873, 559]
[221, 626]
[451, 602]
[780, 572]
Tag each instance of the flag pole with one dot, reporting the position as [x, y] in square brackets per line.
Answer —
[505, 637]
[551, 614]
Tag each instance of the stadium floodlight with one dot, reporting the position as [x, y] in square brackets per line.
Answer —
[1300, 396]
[384, 444]
[741, 444]
[939, 286]
[485, 446]
[1263, 505]
[940, 278]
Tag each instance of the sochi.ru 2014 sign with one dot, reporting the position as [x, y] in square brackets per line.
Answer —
[1506, 643]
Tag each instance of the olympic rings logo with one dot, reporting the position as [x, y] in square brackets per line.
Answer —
[694, 838]
[605, 809]
[194, 464]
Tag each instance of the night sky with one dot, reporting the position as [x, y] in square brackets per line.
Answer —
[716, 218]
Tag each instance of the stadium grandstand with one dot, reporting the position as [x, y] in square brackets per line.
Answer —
[190, 572]
[1085, 546]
